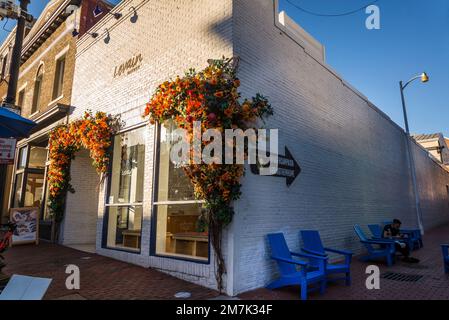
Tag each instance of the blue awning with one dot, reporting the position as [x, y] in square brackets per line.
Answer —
[13, 125]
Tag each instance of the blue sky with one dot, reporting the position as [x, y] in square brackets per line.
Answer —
[414, 37]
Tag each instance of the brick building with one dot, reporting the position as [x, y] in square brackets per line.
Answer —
[353, 156]
[44, 94]
[436, 144]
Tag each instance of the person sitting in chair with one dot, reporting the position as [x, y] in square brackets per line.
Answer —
[392, 231]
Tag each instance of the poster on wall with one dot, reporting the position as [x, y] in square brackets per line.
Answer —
[7, 150]
[27, 225]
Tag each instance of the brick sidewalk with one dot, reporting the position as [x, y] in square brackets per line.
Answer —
[101, 277]
[433, 285]
[106, 278]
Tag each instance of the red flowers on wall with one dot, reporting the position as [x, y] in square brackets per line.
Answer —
[92, 132]
[210, 96]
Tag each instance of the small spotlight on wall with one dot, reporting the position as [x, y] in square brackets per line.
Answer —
[134, 18]
[92, 34]
[98, 11]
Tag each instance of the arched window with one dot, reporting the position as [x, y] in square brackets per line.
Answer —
[4, 66]
[37, 89]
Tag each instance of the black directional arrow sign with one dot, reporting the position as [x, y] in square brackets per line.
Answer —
[288, 168]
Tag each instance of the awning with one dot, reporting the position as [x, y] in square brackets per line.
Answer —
[13, 125]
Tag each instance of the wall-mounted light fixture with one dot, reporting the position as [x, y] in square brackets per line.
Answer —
[76, 33]
[134, 17]
[98, 11]
[108, 37]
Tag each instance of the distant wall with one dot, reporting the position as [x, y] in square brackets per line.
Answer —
[80, 220]
[353, 157]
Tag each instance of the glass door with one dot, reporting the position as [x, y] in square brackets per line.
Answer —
[30, 177]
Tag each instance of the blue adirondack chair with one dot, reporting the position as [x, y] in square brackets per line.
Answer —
[313, 245]
[413, 233]
[377, 230]
[445, 248]
[289, 274]
[387, 249]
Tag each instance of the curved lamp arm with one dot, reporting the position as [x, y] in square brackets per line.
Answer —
[424, 78]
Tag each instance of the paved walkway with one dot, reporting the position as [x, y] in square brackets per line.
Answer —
[101, 277]
[105, 278]
[433, 285]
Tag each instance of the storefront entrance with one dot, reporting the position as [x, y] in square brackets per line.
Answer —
[30, 185]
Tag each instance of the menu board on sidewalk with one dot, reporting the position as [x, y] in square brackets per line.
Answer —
[27, 225]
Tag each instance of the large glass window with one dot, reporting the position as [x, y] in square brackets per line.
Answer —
[179, 231]
[126, 191]
[29, 185]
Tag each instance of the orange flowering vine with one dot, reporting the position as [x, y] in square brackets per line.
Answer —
[93, 132]
[210, 96]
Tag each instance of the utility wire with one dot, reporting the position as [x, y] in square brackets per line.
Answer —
[330, 14]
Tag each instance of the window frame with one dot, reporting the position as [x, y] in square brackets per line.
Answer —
[107, 206]
[155, 204]
[58, 82]
[37, 92]
[24, 172]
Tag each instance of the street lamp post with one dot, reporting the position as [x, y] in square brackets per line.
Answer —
[424, 78]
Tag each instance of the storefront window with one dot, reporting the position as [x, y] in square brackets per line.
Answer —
[30, 181]
[17, 190]
[179, 231]
[34, 190]
[126, 191]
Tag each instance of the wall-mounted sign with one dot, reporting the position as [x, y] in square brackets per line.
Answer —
[288, 168]
[128, 66]
[7, 150]
[27, 225]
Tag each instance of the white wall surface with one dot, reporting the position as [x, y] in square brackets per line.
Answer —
[353, 158]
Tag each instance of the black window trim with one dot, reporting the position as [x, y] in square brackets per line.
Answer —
[153, 234]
